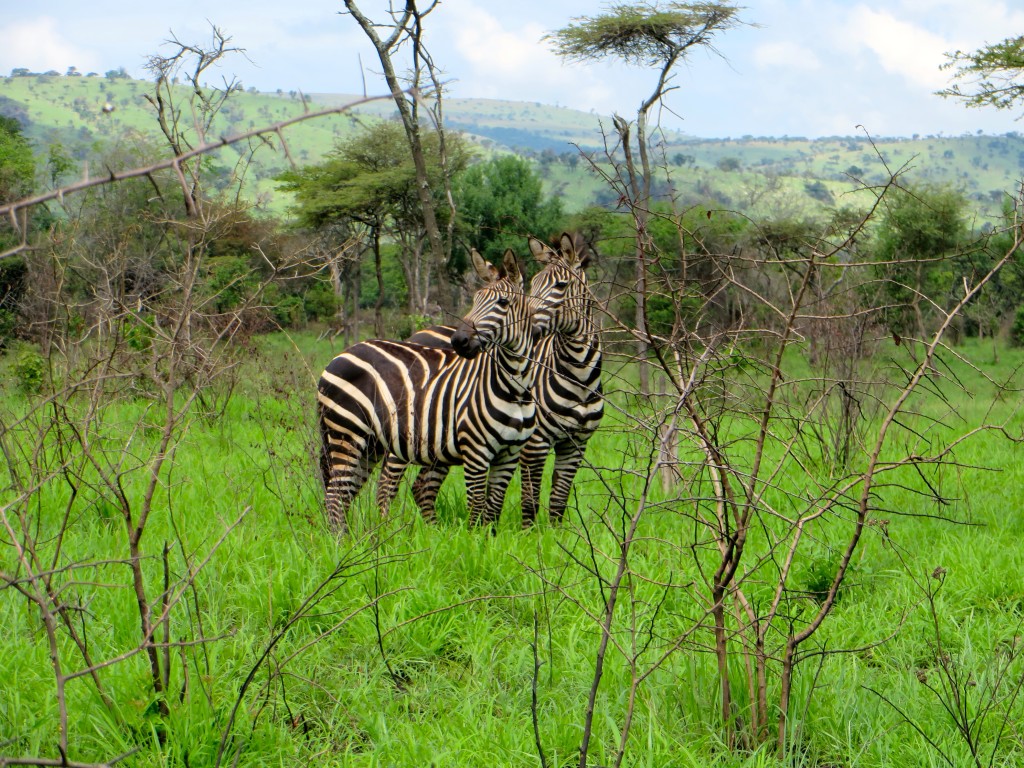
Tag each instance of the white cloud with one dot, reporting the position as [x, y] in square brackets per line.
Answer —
[498, 54]
[37, 45]
[786, 55]
[902, 48]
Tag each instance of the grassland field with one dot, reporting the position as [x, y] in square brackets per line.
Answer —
[420, 651]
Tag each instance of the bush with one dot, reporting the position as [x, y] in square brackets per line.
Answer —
[1017, 330]
[289, 312]
[232, 282]
[138, 332]
[8, 322]
[29, 370]
[320, 302]
[410, 324]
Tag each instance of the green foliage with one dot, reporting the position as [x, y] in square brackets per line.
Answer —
[1017, 330]
[820, 192]
[289, 312]
[59, 164]
[642, 33]
[17, 164]
[231, 282]
[8, 324]
[501, 202]
[138, 332]
[369, 178]
[920, 231]
[727, 164]
[292, 310]
[320, 302]
[410, 324]
[992, 76]
[29, 369]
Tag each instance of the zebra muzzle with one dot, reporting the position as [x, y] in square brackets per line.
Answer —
[466, 344]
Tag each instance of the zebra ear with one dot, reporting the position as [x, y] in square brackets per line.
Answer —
[574, 250]
[512, 271]
[541, 251]
[484, 269]
[568, 248]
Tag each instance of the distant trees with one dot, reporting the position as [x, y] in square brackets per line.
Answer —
[365, 193]
[920, 231]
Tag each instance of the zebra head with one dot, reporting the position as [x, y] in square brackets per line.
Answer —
[501, 313]
[560, 292]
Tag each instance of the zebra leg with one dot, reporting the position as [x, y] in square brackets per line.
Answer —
[425, 488]
[568, 457]
[476, 491]
[387, 484]
[498, 479]
[531, 460]
[348, 470]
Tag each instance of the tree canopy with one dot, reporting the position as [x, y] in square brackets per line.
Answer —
[992, 76]
[17, 164]
[501, 202]
[367, 178]
[648, 35]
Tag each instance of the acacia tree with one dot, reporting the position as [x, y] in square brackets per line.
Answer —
[406, 27]
[992, 76]
[369, 183]
[920, 230]
[658, 37]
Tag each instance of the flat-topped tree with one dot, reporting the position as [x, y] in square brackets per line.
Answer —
[650, 35]
[657, 36]
[992, 76]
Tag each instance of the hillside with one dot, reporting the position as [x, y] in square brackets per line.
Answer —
[752, 174]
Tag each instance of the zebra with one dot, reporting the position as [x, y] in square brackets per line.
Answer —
[437, 407]
[567, 391]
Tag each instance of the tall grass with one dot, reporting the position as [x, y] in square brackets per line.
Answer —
[422, 649]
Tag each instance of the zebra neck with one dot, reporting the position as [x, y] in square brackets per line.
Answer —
[584, 345]
[515, 368]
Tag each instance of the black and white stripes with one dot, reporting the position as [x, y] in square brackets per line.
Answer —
[437, 407]
[567, 390]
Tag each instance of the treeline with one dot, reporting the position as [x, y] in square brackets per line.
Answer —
[350, 254]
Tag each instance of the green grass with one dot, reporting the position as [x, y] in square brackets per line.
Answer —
[456, 610]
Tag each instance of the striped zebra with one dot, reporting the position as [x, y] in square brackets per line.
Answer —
[437, 407]
[567, 390]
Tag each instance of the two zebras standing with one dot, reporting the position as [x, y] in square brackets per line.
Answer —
[520, 375]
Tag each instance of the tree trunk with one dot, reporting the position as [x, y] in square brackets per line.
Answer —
[409, 119]
[378, 313]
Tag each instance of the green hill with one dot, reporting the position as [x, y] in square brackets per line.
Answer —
[752, 174]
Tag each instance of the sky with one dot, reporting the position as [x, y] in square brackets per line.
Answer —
[796, 68]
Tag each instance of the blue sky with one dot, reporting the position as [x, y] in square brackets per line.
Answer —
[810, 67]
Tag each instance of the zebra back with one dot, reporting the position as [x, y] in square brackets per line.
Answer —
[468, 404]
[567, 391]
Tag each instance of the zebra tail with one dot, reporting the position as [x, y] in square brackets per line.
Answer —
[325, 460]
